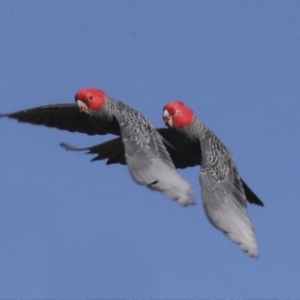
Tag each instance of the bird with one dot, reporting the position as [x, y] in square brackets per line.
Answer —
[191, 143]
[94, 112]
[223, 195]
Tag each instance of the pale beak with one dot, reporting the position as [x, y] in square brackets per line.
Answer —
[167, 118]
[82, 106]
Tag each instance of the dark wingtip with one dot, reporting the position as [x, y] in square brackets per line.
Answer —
[70, 147]
[256, 201]
[250, 196]
[95, 158]
[66, 146]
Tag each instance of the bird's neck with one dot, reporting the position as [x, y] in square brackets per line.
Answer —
[196, 131]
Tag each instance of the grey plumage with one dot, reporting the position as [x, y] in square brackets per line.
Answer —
[223, 195]
[148, 161]
[183, 152]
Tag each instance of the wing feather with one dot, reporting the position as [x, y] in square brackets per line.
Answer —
[154, 169]
[227, 213]
[113, 151]
[64, 117]
[147, 159]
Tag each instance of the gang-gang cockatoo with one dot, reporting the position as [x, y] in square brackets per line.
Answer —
[94, 113]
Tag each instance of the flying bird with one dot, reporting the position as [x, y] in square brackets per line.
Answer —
[191, 143]
[148, 161]
[223, 195]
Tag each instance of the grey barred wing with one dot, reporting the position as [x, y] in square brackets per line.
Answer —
[64, 117]
[150, 164]
[113, 151]
[227, 213]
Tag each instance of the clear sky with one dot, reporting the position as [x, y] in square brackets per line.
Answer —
[74, 229]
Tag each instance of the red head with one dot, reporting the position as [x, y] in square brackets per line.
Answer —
[90, 99]
[177, 115]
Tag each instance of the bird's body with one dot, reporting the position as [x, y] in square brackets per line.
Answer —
[148, 161]
[223, 195]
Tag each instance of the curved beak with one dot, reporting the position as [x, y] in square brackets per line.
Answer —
[167, 118]
[82, 106]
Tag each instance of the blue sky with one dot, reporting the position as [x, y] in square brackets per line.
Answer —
[75, 229]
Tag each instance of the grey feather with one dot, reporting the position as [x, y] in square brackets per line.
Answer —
[148, 161]
[223, 194]
[227, 214]
[183, 153]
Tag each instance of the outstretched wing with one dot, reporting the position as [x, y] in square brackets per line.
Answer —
[225, 207]
[148, 161]
[64, 117]
[182, 155]
[113, 151]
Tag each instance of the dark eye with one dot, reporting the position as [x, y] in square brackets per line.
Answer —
[90, 98]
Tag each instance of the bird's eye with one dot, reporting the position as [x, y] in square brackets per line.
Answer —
[90, 98]
[178, 112]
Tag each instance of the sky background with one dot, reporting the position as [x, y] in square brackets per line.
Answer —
[74, 229]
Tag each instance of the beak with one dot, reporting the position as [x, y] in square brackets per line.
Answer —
[167, 118]
[82, 106]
